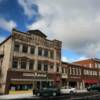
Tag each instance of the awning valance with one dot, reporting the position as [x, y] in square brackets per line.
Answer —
[91, 81]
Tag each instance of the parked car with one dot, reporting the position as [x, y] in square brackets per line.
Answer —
[94, 88]
[67, 90]
[47, 91]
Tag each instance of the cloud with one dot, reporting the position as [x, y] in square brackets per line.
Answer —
[75, 22]
[65, 59]
[7, 25]
[28, 7]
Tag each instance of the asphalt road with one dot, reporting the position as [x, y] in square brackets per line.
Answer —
[78, 96]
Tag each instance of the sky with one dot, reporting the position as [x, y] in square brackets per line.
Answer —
[75, 22]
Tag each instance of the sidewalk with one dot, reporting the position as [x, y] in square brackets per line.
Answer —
[25, 95]
[80, 91]
[16, 96]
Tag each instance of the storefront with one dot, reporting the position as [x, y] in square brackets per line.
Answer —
[89, 82]
[22, 81]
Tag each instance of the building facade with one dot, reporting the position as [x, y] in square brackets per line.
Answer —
[29, 60]
[79, 76]
[90, 63]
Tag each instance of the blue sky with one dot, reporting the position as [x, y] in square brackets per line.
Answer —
[75, 23]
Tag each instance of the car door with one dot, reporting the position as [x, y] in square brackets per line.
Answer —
[64, 90]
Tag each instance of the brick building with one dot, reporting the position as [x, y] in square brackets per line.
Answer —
[91, 63]
[29, 60]
[79, 76]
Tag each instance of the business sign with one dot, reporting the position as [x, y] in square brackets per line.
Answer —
[35, 74]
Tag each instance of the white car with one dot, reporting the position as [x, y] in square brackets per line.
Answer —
[67, 90]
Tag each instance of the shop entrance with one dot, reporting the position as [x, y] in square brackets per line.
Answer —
[72, 84]
[41, 84]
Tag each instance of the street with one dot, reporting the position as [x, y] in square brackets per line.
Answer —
[77, 96]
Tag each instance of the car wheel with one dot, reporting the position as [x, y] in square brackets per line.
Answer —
[71, 92]
[38, 94]
[54, 94]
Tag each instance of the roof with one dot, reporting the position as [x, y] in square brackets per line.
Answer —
[37, 32]
[96, 59]
[89, 59]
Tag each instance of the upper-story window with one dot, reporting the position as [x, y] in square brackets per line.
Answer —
[90, 65]
[39, 66]
[63, 70]
[32, 50]
[79, 71]
[52, 54]
[74, 71]
[58, 55]
[25, 48]
[16, 47]
[40, 51]
[15, 63]
[51, 66]
[97, 65]
[57, 68]
[70, 70]
[46, 53]
[23, 64]
[45, 67]
[31, 65]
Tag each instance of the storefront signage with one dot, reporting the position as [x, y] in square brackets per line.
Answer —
[64, 76]
[35, 74]
[74, 77]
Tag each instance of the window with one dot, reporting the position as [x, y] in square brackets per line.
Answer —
[62, 70]
[40, 51]
[79, 71]
[16, 47]
[51, 66]
[32, 51]
[73, 70]
[70, 70]
[15, 64]
[46, 53]
[57, 69]
[39, 66]
[51, 54]
[58, 54]
[25, 48]
[31, 65]
[23, 64]
[45, 67]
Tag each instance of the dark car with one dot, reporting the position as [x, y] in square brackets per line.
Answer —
[94, 88]
[47, 91]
